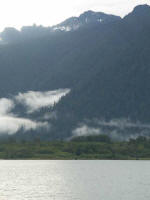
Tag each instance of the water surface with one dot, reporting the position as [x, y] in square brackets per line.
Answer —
[74, 180]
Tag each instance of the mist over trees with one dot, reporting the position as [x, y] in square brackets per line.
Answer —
[106, 66]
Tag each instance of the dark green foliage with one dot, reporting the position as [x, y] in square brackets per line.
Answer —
[81, 148]
[100, 138]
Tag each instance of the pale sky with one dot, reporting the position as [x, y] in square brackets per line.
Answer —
[18, 13]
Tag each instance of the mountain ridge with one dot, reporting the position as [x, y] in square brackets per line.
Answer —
[106, 66]
[87, 17]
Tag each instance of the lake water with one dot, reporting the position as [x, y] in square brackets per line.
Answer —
[74, 180]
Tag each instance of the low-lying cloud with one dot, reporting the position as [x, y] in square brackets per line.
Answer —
[122, 124]
[117, 129]
[35, 100]
[6, 105]
[10, 123]
[84, 130]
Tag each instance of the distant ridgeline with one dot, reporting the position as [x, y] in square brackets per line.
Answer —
[104, 61]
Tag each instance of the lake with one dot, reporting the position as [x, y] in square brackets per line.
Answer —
[74, 180]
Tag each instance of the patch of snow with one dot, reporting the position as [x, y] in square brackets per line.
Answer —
[100, 20]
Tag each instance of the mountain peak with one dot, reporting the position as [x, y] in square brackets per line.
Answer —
[141, 9]
[88, 12]
[140, 12]
[85, 18]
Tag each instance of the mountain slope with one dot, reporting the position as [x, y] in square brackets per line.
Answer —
[120, 87]
[37, 64]
[126, 70]
[106, 66]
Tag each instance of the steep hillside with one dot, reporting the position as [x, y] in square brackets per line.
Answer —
[106, 66]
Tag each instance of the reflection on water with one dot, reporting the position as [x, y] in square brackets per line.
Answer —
[74, 180]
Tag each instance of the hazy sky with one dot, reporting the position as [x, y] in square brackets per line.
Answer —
[16, 13]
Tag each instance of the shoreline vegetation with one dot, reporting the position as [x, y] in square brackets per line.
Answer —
[81, 148]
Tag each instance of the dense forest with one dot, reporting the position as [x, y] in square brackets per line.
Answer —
[91, 147]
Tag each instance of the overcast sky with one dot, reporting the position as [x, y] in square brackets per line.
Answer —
[18, 13]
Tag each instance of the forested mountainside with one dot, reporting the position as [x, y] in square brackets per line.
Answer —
[105, 62]
[50, 61]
